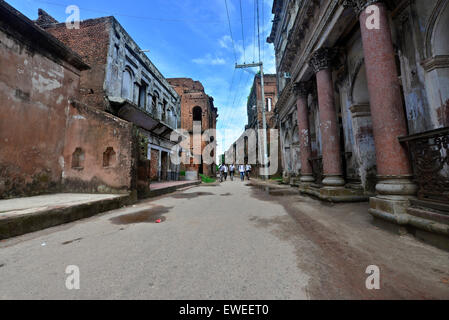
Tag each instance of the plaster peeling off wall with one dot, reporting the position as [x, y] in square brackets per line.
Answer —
[108, 147]
[32, 133]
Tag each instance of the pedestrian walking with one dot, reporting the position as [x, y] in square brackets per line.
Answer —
[226, 171]
[232, 171]
[242, 172]
[221, 169]
[248, 171]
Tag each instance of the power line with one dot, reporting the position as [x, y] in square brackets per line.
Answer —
[230, 30]
[258, 28]
[228, 101]
[255, 31]
[263, 33]
[243, 33]
[108, 13]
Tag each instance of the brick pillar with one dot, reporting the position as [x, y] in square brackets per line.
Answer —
[332, 167]
[302, 90]
[389, 122]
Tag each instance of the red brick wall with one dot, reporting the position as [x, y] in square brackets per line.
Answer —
[91, 42]
[193, 95]
[34, 93]
[154, 166]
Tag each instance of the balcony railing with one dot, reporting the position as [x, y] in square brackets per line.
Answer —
[430, 156]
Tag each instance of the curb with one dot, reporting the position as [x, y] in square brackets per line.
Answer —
[20, 225]
[161, 192]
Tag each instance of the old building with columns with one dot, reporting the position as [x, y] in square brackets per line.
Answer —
[363, 100]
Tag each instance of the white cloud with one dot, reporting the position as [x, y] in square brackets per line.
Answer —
[210, 60]
[225, 42]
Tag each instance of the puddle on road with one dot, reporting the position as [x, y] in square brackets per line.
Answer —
[2, 265]
[191, 195]
[71, 241]
[146, 216]
[226, 194]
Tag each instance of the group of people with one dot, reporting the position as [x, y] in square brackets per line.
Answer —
[225, 170]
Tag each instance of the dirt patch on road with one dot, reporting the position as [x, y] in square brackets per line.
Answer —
[336, 263]
[71, 241]
[226, 194]
[191, 195]
[145, 216]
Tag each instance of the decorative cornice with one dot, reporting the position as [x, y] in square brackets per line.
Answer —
[359, 5]
[438, 62]
[322, 59]
[302, 89]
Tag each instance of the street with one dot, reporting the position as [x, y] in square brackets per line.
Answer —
[232, 241]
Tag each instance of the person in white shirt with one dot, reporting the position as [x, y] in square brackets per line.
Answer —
[225, 171]
[248, 171]
[231, 171]
[242, 172]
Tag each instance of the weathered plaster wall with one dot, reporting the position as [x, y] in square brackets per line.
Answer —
[34, 93]
[124, 55]
[96, 134]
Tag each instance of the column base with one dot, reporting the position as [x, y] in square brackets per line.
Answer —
[307, 179]
[334, 194]
[295, 181]
[334, 181]
[400, 214]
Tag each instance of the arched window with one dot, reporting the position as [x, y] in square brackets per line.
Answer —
[78, 159]
[154, 103]
[269, 104]
[127, 85]
[109, 157]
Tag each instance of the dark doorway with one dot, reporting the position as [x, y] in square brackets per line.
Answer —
[164, 166]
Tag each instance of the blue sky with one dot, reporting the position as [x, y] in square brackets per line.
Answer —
[188, 38]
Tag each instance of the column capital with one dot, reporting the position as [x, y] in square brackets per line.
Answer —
[302, 89]
[359, 5]
[322, 59]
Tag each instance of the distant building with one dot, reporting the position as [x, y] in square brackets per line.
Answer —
[255, 121]
[196, 106]
[124, 82]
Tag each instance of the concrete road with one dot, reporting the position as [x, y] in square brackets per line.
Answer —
[226, 242]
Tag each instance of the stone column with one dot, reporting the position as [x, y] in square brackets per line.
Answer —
[302, 90]
[389, 122]
[321, 62]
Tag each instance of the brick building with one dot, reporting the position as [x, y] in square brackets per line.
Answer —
[366, 100]
[197, 106]
[250, 153]
[124, 82]
[49, 141]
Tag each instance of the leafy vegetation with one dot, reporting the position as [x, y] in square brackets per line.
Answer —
[206, 179]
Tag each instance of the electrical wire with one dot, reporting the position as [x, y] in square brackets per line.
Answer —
[243, 33]
[230, 30]
[108, 13]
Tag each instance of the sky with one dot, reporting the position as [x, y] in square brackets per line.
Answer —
[189, 38]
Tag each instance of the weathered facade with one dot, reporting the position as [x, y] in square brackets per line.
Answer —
[124, 82]
[42, 123]
[364, 92]
[197, 106]
[250, 153]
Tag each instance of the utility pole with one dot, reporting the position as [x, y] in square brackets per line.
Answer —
[264, 119]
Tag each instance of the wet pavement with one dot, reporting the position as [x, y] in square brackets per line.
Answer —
[232, 241]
